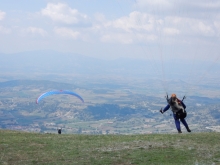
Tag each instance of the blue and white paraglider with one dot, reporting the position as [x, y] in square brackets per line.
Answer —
[54, 92]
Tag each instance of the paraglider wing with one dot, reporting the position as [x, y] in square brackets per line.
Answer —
[58, 92]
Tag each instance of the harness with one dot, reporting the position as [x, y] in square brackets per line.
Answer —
[177, 107]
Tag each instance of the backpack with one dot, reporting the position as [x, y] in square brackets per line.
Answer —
[179, 108]
[181, 114]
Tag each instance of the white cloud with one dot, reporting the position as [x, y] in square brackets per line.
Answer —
[126, 30]
[192, 26]
[135, 20]
[117, 38]
[150, 23]
[171, 31]
[217, 27]
[35, 30]
[2, 15]
[64, 14]
[195, 5]
[99, 17]
[155, 4]
[145, 26]
[204, 29]
[203, 4]
[142, 26]
[4, 30]
[67, 32]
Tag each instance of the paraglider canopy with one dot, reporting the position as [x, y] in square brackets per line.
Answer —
[58, 92]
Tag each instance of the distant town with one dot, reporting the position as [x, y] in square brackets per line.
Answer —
[109, 109]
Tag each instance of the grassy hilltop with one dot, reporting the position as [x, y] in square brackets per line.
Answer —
[22, 148]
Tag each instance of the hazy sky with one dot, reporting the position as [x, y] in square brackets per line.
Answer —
[112, 28]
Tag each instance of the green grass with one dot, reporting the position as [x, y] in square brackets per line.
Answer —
[22, 148]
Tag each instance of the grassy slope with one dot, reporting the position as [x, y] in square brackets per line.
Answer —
[33, 148]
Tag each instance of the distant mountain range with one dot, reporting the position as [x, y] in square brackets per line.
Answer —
[36, 83]
[37, 62]
[55, 62]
